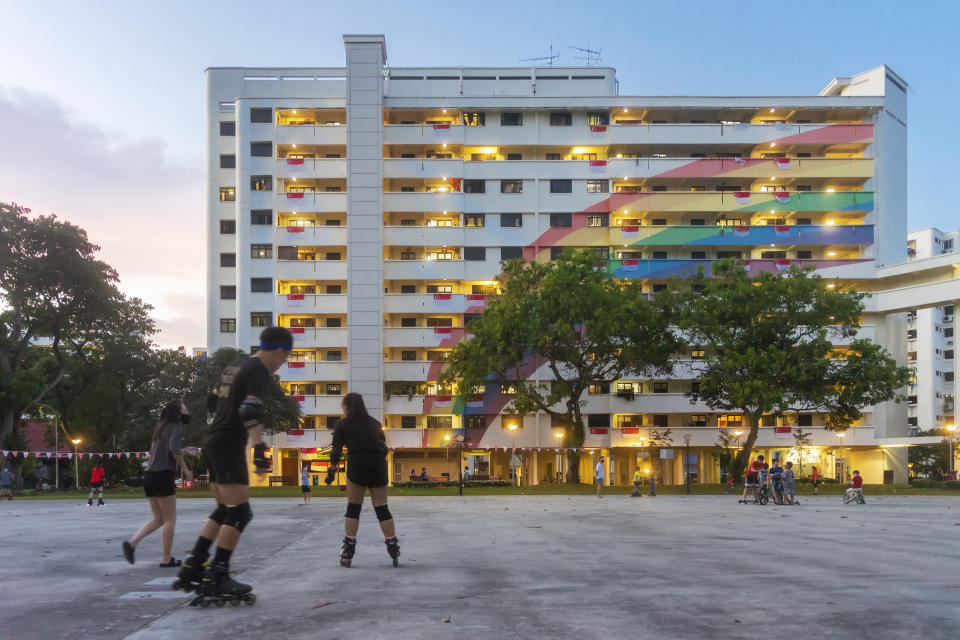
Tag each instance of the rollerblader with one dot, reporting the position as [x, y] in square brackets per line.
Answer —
[367, 469]
[237, 405]
[166, 453]
[97, 477]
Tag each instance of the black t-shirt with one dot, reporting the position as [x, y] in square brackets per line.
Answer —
[245, 377]
[359, 437]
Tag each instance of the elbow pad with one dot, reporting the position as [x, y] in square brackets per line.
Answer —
[250, 413]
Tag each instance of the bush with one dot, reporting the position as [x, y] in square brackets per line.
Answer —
[453, 483]
[926, 483]
[823, 480]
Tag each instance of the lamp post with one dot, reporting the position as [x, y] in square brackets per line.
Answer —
[840, 435]
[559, 436]
[951, 429]
[76, 464]
[686, 461]
[513, 429]
[458, 440]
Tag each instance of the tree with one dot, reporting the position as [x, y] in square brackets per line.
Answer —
[572, 317]
[769, 348]
[723, 453]
[657, 441]
[50, 285]
[801, 442]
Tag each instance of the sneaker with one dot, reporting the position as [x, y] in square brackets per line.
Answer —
[128, 550]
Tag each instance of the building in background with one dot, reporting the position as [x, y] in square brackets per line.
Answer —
[368, 207]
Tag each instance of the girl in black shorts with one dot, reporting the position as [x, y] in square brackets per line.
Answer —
[363, 437]
[166, 452]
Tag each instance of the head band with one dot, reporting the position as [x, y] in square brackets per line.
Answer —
[270, 346]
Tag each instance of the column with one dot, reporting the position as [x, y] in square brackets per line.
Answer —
[365, 58]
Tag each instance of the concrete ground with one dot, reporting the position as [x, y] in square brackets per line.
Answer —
[495, 567]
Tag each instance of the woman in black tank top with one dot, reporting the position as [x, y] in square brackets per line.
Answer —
[366, 444]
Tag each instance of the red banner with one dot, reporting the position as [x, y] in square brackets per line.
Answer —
[297, 195]
[296, 365]
[598, 431]
[630, 430]
[294, 161]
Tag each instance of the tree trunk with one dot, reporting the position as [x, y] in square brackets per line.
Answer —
[743, 457]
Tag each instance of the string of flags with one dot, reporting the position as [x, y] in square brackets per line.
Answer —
[69, 454]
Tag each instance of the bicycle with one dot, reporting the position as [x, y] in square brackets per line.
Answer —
[857, 498]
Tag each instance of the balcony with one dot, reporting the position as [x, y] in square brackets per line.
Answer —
[685, 268]
[402, 405]
[319, 337]
[311, 201]
[311, 269]
[706, 201]
[423, 134]
[703, 235]
[311, 134]
[319, 405]
[412, 371]
[429, 303]
[422, 168]
[423, 201]
[311, 235]
[288, 168]
[408, 236]
[422, 336]
[423, 269]
[313, 371]
[310, 303]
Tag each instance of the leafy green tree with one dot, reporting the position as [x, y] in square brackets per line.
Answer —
[572, 317]
[51, 284]
[769, 344]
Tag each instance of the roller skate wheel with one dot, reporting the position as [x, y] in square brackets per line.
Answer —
[234, 603]
[344, 562]
[220, 603]
[250, 601]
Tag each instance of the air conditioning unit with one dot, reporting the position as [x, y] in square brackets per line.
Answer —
[948, 318]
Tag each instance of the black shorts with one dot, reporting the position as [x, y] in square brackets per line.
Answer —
[305, 488]
[367, 470]
[96, 485]
[226, 459]
[816, 483]
[159, 484]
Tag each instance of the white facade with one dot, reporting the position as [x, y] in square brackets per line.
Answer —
[326, 184]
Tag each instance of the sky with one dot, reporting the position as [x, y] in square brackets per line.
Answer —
[102, 114]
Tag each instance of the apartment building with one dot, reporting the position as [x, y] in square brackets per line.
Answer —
[368, 208]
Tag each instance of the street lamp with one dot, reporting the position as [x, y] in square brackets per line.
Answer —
[513, 429]
[76, 464]
[840, 435]
[559, 436]
[458, 439]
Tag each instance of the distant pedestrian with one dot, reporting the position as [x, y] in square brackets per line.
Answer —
[97, 478]
[636, 484]
[653, 486]
[598, 476]
[789, 483]
[305, 483]
[815, 480]
[6, 478]
[423, 475]
[413, 475]
[466, 474]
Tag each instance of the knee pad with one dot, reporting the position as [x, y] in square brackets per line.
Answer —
[353, 510]
[219, 513]
[238, 516]
[383, 513]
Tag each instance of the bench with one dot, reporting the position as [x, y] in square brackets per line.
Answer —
[283, 481]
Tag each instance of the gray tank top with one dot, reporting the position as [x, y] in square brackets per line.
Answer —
[170, 440]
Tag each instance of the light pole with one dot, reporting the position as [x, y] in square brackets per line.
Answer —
[458, 440]
[559, 436]
[76, 464]
[513, 429]
[840, 435]
[951, 428]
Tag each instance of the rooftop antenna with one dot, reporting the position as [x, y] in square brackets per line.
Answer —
[591, 56]
[544, 60]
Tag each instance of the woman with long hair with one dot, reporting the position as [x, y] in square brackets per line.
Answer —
[363, 437]
[166, 453]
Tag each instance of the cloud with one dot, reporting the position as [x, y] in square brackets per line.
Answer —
[146, 213]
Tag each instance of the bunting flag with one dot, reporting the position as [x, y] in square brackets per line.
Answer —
[741, 231]
[781, 231]
[475, 402]
[295, 299]
[782, 433]
[740, 161]
[295, 229]
[743, 197]
[299, 398]
[630, 265]
[783, 197]
[782, 264]
[294, 195]
[295, 162]
[476, 300]
[630, 231]
[782, 163]
[442, 401]
[442, 298]
[299, 333]
[598, 166]
[296, 365]
[443, 330]
[598, 131]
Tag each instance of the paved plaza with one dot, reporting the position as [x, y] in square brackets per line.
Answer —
[503, 567]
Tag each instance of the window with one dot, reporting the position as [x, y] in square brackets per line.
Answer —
[598, 420]
[228, 325]
[804, 254]
[598, 119]
[511, 119]
[474, 119]
[261, 285]
[555, 252]
[439, 288]
[261, 149]
[261, 115]
[773, 255]
[261, 216]
[695, 386]
[948, 332]
[804, 221]
[442, 322]
[475, 422]
[728, 254]
[303, 322]
[333, 323]
[407, 189]
[261, 183]
[228, 194]
[228, 227]
[561, 220]
[561, 186]
[804, 187]
[474, 253]
[948, 354]
[948, 376]
[598, 220]
[334, 289]
[334, 389]
[511, 186]
[228, 292]
[659, 222]
[408, 255]
[439, 422]
[659, 255]
[334, 356]
[228, 128]
[228, 259]
[697, 222]
[408, 422]
[601, 387]
[660, 420]
[261, 318]
[598, 186]
[333, 255]
[554, 156]
[696, 354]
[473, 220]
[511, 220]
[303, 288]
[661, 386]
[804, 419]
[698, 420]
[436, 356]
[698, 255]
[561, 118]
[228, 162]
[657, 288]
[601, 253]
[514, 156]
[474, 186]
[511, 253]
[408, 288]
[261, 251]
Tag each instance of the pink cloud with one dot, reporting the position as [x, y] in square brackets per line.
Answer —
[145, 212]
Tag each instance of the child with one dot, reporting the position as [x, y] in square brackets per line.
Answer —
[856, 485]
[789, 484]
[752, 480]
[305, 483]
[815, 480]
